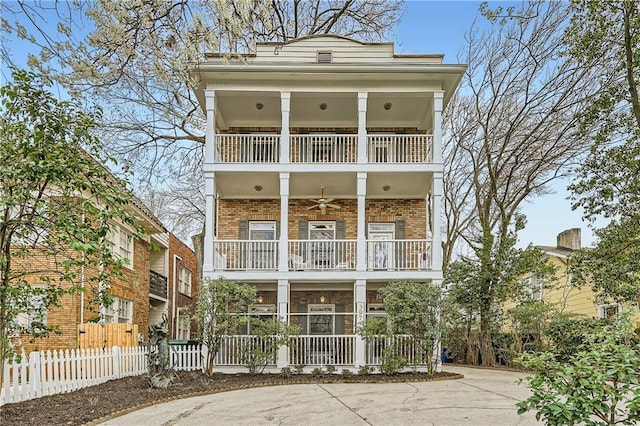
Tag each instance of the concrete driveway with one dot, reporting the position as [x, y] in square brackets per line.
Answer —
[483, 397]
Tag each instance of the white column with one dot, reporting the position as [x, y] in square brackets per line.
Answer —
[285, 106]
[437, 127]
[210, 134]
[283, 315]
[437, 351]
[361, 242]
[209, 182]
[436, 254]
[360, 297]
[362, 127]
[209, 196]
[283, 249]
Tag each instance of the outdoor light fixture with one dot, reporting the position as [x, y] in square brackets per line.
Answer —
[323, 106]
[322, 299]
[387, 105]
[259, 105]
[385, 188]
[260, 299]
[258, 188]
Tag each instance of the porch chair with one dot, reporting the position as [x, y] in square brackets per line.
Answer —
[297, 263]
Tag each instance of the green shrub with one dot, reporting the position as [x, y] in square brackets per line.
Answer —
[365, 370]
[600, 380]
[286, 372]
[392, 362]
[317, 372]
[330, 368]
[347, 372]
[299, 368]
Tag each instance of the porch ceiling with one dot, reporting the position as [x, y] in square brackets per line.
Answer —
[340, 185]
[240, 109]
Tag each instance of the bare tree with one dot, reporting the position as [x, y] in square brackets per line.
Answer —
[133, 59]
[510, 133]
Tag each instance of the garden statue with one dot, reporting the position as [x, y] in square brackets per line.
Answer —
[160, 372]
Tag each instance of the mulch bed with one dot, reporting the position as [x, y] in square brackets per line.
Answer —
[116, 397]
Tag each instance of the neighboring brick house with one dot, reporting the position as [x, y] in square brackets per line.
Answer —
[131, 293]
[323, 182]
[183, 290]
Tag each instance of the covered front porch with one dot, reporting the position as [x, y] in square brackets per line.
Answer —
[330, 319]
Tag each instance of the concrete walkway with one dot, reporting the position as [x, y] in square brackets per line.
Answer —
[483, 397]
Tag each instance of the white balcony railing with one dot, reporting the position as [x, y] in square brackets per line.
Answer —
[322, 255]
[323, 148]
[243, 255]
[318, 148]
[250, 148]
[398, 255]
[399, 148]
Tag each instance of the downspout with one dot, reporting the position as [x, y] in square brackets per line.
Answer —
[174, 315]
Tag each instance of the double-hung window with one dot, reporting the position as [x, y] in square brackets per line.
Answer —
[120, 311]
[121, 242]
[184, 280]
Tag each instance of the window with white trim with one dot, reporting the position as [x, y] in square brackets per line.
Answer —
[121, 242]
[120, 311]
[184, 328]
[609, 311]
[533, 286]
[184, 280]
[34, 315]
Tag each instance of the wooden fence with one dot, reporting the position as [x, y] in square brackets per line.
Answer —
[107, 335]
[51, 372]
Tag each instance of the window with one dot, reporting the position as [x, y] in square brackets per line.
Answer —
[609, 311]
[120, 311]
[321, 318]
[34, 316]
[322, 251]
[121, 243]
[261, 312]
[184, 280]
[184, 328]
[532, 286]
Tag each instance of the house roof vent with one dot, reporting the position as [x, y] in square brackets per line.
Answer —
[325, 57]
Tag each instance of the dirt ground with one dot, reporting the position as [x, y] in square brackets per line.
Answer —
[95, 402]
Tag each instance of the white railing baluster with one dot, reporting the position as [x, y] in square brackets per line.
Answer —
[322, 255]
[245, 255]
[250, 148]
[319, 148]
[390, 148]
[398, 255]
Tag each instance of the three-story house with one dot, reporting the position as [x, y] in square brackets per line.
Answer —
[323, 182]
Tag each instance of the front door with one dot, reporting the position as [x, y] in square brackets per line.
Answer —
[262, 246]
[380, 246]
[321, 247]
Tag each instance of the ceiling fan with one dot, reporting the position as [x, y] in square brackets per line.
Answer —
[322, 203]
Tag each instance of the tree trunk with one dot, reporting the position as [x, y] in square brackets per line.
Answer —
[198, 248]
[487, 352]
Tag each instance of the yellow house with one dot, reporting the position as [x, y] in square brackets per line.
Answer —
[562, 293]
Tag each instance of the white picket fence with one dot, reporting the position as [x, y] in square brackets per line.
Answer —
[52, 372]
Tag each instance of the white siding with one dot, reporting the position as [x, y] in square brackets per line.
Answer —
[344, 51]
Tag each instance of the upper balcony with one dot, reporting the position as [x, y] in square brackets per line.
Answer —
[263, 148]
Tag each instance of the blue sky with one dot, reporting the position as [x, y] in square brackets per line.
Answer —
[439, 27]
